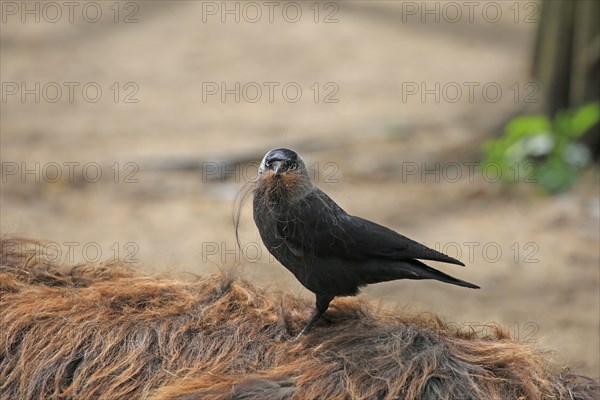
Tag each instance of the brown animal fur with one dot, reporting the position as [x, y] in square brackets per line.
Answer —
[108, 332]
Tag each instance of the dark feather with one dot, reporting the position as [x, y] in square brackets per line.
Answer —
[317, 224]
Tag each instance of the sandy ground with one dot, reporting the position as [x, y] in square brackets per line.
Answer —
[536, 257]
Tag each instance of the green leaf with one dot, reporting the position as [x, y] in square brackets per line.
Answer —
[584, 118]
[520, 127]
[555, 176]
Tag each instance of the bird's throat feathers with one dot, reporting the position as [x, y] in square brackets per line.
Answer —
[282, 188]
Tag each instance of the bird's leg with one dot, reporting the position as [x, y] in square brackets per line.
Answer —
[322, 306]
[315, 317]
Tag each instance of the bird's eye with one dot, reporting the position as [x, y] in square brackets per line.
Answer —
[293, 166]
[268, 164]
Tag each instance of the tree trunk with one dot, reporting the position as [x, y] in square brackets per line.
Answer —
[567, 58]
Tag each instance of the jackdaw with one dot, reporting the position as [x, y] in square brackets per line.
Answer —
[329, 251]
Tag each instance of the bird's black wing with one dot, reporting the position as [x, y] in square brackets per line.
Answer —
[317, 225]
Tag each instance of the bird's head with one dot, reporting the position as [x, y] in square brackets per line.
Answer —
[282, 176]
[282, 162]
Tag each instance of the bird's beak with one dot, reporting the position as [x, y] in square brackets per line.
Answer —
[277, 167]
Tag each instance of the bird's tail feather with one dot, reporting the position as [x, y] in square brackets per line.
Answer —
[424, 271]
[409, 269]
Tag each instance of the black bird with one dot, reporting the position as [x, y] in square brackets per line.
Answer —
[329, 251]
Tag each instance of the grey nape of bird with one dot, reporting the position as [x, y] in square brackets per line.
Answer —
[329, 251]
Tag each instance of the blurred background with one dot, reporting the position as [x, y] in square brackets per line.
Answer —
[128, 128]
